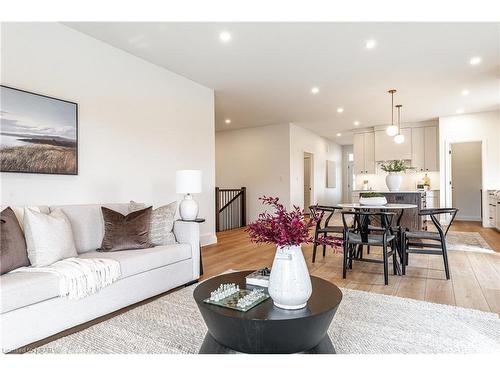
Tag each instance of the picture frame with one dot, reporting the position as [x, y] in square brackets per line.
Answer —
[38, 133]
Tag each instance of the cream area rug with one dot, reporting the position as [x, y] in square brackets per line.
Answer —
[467, 241]
[365, 323]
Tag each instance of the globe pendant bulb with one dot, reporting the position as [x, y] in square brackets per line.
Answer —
[391, 130]
[400, 138]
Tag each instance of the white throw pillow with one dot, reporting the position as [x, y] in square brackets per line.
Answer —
[49, 238]
[19, 212]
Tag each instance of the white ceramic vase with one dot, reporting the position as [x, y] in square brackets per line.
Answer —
[393, 181]
[289, 283]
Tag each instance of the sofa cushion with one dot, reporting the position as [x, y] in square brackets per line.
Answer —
[133, 262]
[126, 232]
[13, 252]
[87, 223]
[49, 237]
[21, 289]
[162, 223]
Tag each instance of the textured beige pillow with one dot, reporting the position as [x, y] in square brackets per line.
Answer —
[49, 238]
[162, 223]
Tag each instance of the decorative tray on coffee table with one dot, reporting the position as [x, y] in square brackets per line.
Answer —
[232, 297]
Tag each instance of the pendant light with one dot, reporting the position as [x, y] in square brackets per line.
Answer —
[399, 138]
[392, 130]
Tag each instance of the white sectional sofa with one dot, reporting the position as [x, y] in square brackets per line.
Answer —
[31, 309]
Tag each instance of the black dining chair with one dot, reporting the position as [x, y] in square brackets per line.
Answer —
[361, 234]
[323, 228]
[426, 242]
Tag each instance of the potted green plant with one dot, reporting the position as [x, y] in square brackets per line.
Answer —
[394, 178]
[372, 199]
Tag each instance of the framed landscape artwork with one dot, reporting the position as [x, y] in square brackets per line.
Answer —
[38, 134]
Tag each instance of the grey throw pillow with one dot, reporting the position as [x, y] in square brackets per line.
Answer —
[162, 223]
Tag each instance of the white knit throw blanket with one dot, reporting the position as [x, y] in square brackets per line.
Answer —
[79, 277]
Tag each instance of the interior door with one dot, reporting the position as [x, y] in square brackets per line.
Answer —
[307, 181]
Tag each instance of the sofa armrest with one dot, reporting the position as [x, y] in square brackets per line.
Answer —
[189, 233]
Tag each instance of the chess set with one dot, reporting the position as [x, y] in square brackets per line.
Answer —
[232, 297]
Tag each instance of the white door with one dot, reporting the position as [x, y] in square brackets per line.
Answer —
[466, 180]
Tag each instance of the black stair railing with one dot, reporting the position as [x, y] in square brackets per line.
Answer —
[230, 208]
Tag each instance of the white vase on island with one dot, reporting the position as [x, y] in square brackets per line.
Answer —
[289, 283]
[393, 181]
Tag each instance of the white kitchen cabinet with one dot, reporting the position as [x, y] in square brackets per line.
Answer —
[431, 149]
[387, 149]
[424, 155]
[418, 149]
[364, 153]
[369, 153]
[359, 153]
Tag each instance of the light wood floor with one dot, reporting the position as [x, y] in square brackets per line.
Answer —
[475, 277]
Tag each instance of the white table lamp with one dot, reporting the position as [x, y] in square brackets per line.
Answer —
[187, 182]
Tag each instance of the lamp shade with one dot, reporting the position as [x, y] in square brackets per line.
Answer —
[188, 181]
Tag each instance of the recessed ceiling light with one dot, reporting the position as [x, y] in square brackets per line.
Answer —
[356, 123]
[315, 90]
[339, 134]
[475, 60]
[370, 43]
[460, 111]
[340, 110]
[225, 36]
[465, 92]
[227, 121]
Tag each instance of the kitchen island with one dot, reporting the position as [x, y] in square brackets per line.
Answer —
[411, 219]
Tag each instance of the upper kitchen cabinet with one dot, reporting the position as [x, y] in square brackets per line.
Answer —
[425, 149]
[364, 153]
[387, 149]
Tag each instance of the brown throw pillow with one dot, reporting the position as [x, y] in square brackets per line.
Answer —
[126, 232]
[13, 252]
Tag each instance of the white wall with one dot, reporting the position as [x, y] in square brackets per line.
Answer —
[467, 179]
[484, 127]
[138, 123]
[303, 140]
[257, 158]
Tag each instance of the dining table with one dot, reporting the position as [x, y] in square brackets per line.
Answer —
[398, 207]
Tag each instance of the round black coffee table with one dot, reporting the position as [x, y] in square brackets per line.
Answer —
[267, 328]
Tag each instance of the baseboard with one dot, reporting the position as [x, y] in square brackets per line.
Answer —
[208, 239]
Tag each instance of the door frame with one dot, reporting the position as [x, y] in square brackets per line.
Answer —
[448, 194]
[311, 177]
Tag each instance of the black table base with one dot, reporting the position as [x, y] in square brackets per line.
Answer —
[211, 346]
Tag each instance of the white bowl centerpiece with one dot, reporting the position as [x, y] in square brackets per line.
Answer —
[372, 199]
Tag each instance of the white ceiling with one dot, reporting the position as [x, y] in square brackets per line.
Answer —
[265, 73]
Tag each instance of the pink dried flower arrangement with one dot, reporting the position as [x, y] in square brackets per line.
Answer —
[285, 228]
